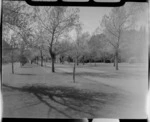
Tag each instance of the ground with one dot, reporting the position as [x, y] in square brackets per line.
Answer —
[99, 91]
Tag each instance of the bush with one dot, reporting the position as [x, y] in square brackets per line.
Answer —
[6, 59]
[23, 60]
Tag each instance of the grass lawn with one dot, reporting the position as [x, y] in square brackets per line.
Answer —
[99, 91]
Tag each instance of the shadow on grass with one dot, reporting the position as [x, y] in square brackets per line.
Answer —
[32, 66]
[25, 74]
[28, 65]
[93, 74]
[46, 66]
[74, 101]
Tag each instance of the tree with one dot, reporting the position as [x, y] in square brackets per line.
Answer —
[12, 46]
[79, 48]
[16, 19]
[78, 42]
[100, 48]
[76, 48]
[83, 47]
[63, 48]
[95, 48]
[119, 20]
[56, 21]
[39, 43]
[135, 46]
[75, 58]
[10, 19]
[103, 47]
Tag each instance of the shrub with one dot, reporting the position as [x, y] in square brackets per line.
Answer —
[6, 59]
[23, 60]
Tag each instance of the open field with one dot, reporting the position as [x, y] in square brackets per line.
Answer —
[99, 91]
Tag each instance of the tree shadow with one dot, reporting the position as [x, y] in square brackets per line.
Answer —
[28, 65]
[27, 74]
[92, 74]
[73, 100]
[46, 66]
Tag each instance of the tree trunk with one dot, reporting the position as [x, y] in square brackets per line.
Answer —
[116, 60]
[53, 62]
[41, 58]
[22, 51]
[12, 61]
[53, 59]
[74, 70]
[77, 61]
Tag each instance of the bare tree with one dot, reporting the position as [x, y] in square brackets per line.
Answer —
[57, 21]
[78, 42]
[76, 48]
[75, 58]
[119, 20]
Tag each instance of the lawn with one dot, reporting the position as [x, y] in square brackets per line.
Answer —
[99, 91]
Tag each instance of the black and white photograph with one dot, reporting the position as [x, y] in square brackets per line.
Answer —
[74, 61]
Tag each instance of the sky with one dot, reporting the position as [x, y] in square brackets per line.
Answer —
[92, 16]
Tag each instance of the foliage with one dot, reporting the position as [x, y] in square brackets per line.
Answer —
[56, 21]
[135, 45]
[44, 31]
[23, 59]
